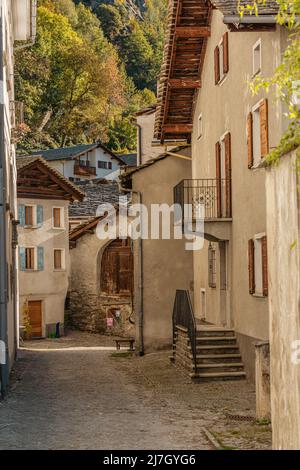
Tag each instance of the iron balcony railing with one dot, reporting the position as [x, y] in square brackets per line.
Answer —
[183, 315]
[213, 195]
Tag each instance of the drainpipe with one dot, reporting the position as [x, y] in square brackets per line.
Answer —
[141, 276]
[3, 223]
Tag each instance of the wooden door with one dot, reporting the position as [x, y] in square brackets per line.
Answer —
[35, 315]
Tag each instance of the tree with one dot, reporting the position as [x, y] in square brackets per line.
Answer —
[69, 81]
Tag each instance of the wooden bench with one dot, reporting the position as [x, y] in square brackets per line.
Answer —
[130, 341]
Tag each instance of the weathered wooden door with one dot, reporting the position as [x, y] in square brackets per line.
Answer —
[117, 268]
[35, 315]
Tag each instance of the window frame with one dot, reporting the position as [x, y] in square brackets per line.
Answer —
[62, 260]
[255, 110]
[258, 267]
[34, 248]
[254, 47]
[212, 266]
[61, 218]
[33, 215]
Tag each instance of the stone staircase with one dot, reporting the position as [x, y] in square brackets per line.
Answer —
[217, 354]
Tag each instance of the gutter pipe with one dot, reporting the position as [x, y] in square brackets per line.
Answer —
[252, 19]
[141, 277]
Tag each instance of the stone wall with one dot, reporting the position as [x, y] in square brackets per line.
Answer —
[283, 223]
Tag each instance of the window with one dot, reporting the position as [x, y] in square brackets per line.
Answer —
[200, 126]
[57, 217]
[71, 178]
[58, 259]
[212, 268]
[258, 133]
[258, 265]
[29, 215]
[221, 59]
[105, 165]
[256, 57]
[29, 258]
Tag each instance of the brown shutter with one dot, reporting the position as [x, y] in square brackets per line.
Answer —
[225, 54]
[264, 254]
[250, 139]
[218, 178]
[264, 128]
[125, 272]
[251, 266]
[57, 259]
[56, 217]
[228, 173]
[217, 66]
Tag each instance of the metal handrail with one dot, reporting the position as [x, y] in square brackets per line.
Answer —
[183, 315]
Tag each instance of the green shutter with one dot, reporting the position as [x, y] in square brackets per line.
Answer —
[40, 258]
[21, 214]
[39, 215]
[22, 258]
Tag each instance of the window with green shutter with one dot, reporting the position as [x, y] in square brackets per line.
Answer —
[39, 215]
[21, 214]
[22, 258]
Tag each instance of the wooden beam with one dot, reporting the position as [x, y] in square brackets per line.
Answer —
[178, 128]
[192, 31]
[184, 83]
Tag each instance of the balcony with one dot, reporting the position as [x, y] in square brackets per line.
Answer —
[213, 196]
[81, 169]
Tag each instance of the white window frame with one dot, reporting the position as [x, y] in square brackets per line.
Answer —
[63, 260]
[200, 127]
[258, 264]
[256, 134]
[35, 259]
[255, 70]
[34, 216]
[62, 218]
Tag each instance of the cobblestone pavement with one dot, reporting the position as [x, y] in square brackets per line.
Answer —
[91, 399]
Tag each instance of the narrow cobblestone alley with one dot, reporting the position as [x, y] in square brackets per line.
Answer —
[93, 399]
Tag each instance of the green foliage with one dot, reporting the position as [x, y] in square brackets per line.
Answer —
[286, 78]
[93, 65]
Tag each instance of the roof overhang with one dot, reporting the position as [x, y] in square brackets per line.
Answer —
[187, 32]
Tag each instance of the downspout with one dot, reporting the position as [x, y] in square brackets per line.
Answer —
[141, 277]
[3, 255]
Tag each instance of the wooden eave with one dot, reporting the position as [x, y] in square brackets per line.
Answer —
[188, 28]
[38, 181]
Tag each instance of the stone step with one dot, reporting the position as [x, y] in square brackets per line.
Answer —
[214, 332]
[220, 367]
[210, 376]
[217, 349]
[216, 358]
[216, 340]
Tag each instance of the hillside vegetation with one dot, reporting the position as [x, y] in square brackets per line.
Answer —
[93, 65]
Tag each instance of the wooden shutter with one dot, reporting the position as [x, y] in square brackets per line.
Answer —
[217, 65]
[251, 266]
[225, 53]
[40, 258]
[264, 128]
[218, 178]
[21, 214]
[39, 215]
[228, 173]
[250, 139]
[22, 258]
[264, 255]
